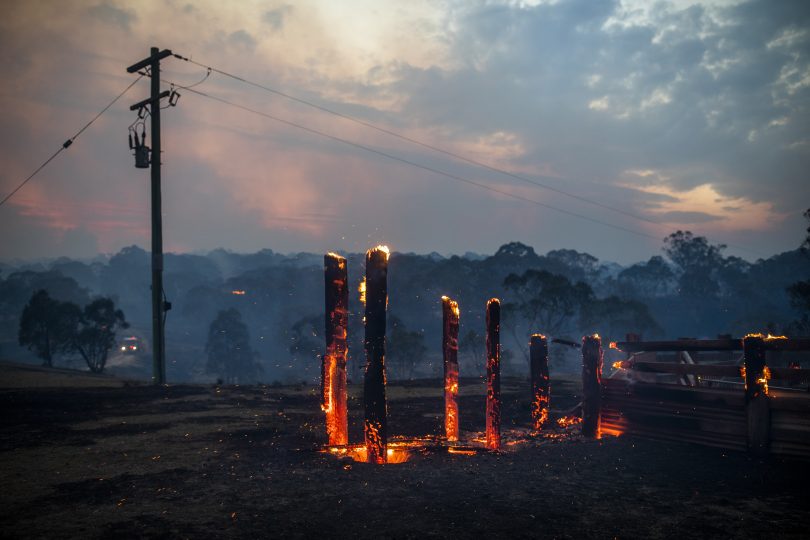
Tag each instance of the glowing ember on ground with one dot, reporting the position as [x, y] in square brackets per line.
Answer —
[359, 453]
[566, 421]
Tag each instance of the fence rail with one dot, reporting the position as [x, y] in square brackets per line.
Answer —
[749, 416]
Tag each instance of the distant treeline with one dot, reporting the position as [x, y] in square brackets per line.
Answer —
[691, 290]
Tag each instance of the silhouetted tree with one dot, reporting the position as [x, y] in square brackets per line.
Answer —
[230, 356]
[542, 302]
[307, 342]
[799, 293]
[647, 280]
[405, 349]
[96, 332]
[614, 317]
[472, 344]
[697, 262]
[48, 326]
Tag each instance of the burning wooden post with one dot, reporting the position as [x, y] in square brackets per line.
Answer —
[756, 374]
[333, 365]
[493, 428]
[591, 385]
[450, 316]
[541, 391]
[375, 429]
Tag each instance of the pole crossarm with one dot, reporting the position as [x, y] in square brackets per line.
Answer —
[149, 60]
[149, 101]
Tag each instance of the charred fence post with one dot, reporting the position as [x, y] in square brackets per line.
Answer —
[375, 429]
[757, 407]
[493, 428]
[591, 385]
[333, 366]
[541, 391]
[450, 316]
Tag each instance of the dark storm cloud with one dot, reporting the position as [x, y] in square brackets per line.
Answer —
[241, 38]
[711, 95]
[275, 17]
[109, 13]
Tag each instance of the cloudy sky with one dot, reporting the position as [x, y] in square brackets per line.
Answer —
[668, 115]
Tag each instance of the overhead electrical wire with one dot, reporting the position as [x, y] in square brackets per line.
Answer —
[455, 155]
[68, 142]
[423, 144]
[417, 165]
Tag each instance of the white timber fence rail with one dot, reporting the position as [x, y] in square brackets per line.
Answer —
[696, 391]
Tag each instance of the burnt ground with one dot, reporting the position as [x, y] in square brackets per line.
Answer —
[126, 460]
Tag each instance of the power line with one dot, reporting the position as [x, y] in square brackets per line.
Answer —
[446, 152]
[418, 165]
[68, 142]
[418, 142]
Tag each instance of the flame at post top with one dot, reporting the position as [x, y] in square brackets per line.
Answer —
[453, 305]
[541, 336]
[380, 248]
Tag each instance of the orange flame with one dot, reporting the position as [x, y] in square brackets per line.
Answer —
[566, 421]
[361, 288]
[381, 248]
[763, 381]
[461, 451]
[238, 292]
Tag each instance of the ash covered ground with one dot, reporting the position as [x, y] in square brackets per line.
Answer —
[93, 457]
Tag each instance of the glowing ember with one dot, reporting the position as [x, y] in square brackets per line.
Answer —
[359, 453]
[567, 421]
[333, 367]
[755, 372]
[613, 345]
[622, 364]
[461, 451]
[763, 381]
[450, 320]
[493, 413]
[238, 292]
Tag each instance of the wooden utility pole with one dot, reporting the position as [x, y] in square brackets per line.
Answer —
[541, 391]
[375, 426]
[493, 420]
[159, 308]
[333, 367]
[591, 385]
[450, 316]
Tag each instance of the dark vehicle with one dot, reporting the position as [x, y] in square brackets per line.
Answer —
[131, 345]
